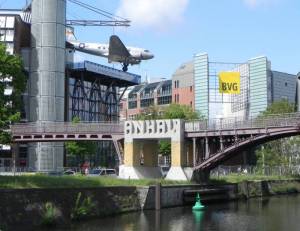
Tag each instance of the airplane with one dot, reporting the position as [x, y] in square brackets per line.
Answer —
[115, 51]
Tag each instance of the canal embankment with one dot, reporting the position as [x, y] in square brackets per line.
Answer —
[28, 208]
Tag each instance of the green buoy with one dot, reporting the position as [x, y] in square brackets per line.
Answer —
[198, 206]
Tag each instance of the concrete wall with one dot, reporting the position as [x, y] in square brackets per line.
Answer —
[23, 208]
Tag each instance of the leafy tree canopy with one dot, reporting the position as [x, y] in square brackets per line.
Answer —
[282, 151]
[173, 111]
[12, 76]
[279, 107]
[81, 149]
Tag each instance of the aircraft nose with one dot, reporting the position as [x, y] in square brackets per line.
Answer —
[148, 55]
[151, 56]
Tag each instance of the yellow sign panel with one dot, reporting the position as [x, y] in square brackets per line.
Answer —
[230, 82]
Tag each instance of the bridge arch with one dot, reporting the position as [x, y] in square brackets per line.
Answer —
[231, 150]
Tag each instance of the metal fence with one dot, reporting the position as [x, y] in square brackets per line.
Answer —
[68, 128]
[278, 120]
[255, 170]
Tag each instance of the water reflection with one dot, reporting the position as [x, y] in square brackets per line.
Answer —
[277, 213]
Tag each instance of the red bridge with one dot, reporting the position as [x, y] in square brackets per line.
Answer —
[213, 141]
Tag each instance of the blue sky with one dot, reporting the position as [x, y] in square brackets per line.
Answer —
[174, 30]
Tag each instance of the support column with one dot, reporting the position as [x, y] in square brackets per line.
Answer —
[178, 160]
[47, 78]
[194, 152]
[206, 148]
[221, 143]
[189, 153]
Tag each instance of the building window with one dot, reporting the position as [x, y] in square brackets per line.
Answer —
[286, 84]
[178, 98]
[191, 103]
[147, 102]
[164, 100]
[132, 104]
[177, 83]
[191, 88]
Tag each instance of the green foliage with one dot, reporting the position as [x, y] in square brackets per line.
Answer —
[177, 111]
[282, 151]
[10, 105]
[45, 181]
[82, 149]
[279, 107]
[150, 113]
[49, 214]
[164, 147]
[83, 208]
[172, 111]
[271, 155]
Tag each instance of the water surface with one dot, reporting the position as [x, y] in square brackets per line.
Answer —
[276, 213]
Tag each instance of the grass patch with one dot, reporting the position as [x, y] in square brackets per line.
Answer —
[237, 178]
[44, 181]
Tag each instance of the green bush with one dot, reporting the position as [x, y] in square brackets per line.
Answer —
[49, 214]
[82, 208]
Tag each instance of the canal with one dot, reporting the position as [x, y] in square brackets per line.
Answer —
[274, 213]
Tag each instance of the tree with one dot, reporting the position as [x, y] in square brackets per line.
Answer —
[279, 107]
[177, 111]
[282, 151]
[11, 76]
[81, 149]
[150, 113]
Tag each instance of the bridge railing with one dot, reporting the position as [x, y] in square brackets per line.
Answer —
[222, 170]
[276, 120]
[66, 128]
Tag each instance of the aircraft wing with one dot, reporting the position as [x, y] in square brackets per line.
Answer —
[117, 50]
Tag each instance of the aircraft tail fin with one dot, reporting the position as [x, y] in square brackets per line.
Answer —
[70, 36]
[117, 50]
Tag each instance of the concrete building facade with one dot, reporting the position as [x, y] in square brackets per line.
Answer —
[183, 85]
[260, 86]
[141, 97]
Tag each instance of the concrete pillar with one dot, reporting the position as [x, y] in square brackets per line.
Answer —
[177, 154]
[189, 153]
[47, 78]
[194, 152]
[178, 159]
[206, 148]
[131, 154]
[221, 143]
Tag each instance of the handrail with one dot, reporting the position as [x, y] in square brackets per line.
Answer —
[274, 120]
[65, 127]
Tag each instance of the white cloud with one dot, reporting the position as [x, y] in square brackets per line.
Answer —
[160, 14]
[257, 3]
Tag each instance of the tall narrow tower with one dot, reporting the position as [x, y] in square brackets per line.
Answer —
[47, 78]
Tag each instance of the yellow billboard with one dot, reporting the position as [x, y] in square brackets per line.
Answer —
[229, 82]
